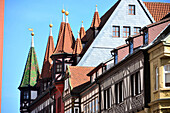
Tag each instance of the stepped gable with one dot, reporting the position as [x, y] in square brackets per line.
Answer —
[158, 9]
[46, 73]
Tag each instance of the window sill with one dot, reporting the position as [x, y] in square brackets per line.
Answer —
[165, 89]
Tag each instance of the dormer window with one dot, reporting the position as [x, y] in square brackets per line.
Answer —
[115, 57]
[59, 68]
[131, 46]
[146, 37]
[131, 9]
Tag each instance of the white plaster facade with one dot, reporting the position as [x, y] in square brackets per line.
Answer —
[100, 48]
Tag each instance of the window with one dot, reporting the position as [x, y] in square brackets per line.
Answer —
[167, 75]
[131, 9]
[131, 46]
[66, 84]
[119, 92]
[135, 84]
[126, 31]
[136, 30]
[145, 37]
[93, 106]
[59, 68]
[116, 31]
[45, 86]
[115, 57]
[107, 98]
[76, 110]
[59, 105]
[26, 95]
[156, 78]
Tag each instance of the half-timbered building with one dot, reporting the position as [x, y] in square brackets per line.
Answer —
[125, 87]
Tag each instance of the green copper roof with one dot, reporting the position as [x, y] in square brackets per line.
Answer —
[31, 72]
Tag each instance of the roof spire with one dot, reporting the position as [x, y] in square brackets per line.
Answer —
[82, 24]
[96, 9]
[78, 35]
[78, 45]
[32, 41]
[63, 11]
[96, 19]
[82, 31]
[51, 25]
[66, 13]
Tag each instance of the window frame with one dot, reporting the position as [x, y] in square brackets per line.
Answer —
[126, 31]
[166, 72]
[156, 78]
[135, 29]
[117, 31]
[131, 10]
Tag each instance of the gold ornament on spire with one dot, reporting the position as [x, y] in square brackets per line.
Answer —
[63, 11]
[96, 5]
[81, 21]
[51, 25]
[66, 13]
[32, 33]
[30, 29]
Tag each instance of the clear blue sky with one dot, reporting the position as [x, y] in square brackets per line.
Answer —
[37, 14]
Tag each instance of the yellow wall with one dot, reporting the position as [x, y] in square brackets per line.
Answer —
[159, 56]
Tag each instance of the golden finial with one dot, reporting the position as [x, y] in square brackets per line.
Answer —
[96, 5]
[66, 13]
[81, 21]
[32, 33]
[63, 11]
[51, 25]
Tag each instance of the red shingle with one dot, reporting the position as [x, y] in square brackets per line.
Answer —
[79, 75]
[157, 9]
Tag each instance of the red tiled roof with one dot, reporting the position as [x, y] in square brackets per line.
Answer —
[66, 41]
[78, 47]
[82, 32]
[79, 75]
[157, 9]
[46, 73]
[96, 20]
[123, 50]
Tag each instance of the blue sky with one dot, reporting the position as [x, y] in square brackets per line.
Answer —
[37, 14]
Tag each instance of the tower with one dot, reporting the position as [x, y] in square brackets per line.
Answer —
[62, 55]
[45, 77]
[28, 90]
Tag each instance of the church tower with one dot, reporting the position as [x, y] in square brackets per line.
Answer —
[28, 90]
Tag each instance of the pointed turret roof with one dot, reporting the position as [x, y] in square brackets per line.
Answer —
[96, 19]
[65, 43]
[46, 73]
[31, 71]
[82, 31]
[78, 46]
